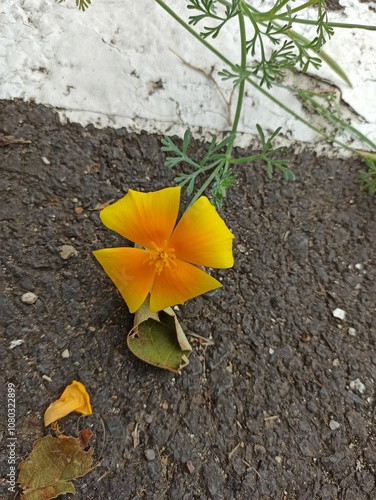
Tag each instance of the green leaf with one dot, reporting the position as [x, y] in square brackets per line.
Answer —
[324, 56]
[158, 339]
[261, 134]
[187, 140]
[368, 179]
[81, 4]
[225, 142]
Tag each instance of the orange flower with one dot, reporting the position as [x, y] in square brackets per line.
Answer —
[74, 398]
[163, 267]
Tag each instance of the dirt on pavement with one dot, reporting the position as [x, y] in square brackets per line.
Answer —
[279, 402]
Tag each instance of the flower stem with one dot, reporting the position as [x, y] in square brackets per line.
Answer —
[283, 17]
[208, 181]
[248, 159]
[239, 105]
[256, 86]
[286, 16]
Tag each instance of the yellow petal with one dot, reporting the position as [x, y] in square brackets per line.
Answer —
[177, 284]
[144, 217]
[129, 270]
[74, 398]
[202, 237]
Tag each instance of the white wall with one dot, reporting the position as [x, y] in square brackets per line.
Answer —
[120, 64]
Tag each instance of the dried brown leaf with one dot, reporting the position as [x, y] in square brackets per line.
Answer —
[52, 464]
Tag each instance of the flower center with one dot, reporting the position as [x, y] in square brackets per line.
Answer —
[161, 257]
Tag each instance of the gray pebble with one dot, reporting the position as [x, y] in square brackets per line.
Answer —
[357, 385]
[333, 424]
[67, 251]
[150, 454]
[29, 298]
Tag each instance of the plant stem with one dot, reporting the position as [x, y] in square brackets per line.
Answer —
[302, 7]
[248, 159]
[299, 118]
[319, 108]
[223, 167]
[284, 17]
[324, 56]
[277, 7]
[243, 65]
[255, 85]
[191, 162]
[207, 183]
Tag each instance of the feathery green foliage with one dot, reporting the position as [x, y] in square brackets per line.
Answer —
[269, 46]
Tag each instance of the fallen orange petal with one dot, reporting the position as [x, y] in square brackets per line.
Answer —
[74, 398]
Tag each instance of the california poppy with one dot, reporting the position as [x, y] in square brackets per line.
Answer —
[166, 264]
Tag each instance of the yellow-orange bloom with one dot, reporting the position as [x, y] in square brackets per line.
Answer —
[164, 267]
[74, 398]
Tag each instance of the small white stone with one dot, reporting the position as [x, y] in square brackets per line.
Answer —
[75, 200]
[46, 378]
[334, 425]
[67, 251]
[45, 160]
[357, 385]
[16, 343]
[150, 455]
[278, 459]
[359, 267]
[352, 331]
[241, 248]
[339, 313]
[271, 351]
[29, 298]
[65, 354]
